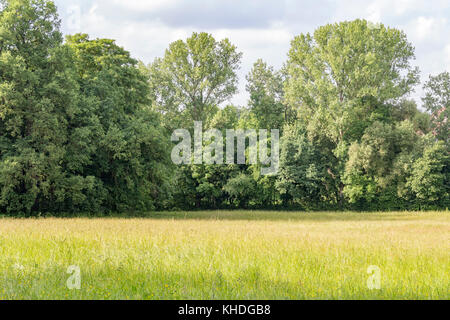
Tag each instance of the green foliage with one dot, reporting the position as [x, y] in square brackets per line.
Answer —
[193, 78]
[38, 98]
[303, 176]
[226, 118]
[407, 110]
[130, 150]
[437, 102]
[75, 132]
[241, 189]
[368, 170]
[346, 81]
[333, 72]
[430, 178]
[84, 127]
[265, 87]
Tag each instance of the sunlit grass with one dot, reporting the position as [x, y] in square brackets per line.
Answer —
[228, 255]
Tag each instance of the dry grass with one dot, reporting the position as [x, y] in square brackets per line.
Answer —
[228, 255]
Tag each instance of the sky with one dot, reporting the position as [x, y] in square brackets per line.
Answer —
[259, 28]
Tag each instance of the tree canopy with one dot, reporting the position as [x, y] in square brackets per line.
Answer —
[86, 128]
[75, 128]
[194, 77]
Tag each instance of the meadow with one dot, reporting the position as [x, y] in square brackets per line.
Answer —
[228, 255]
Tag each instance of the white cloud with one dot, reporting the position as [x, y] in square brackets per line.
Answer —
[147, 6]
[424, 26]
[374, 15]
[259, 28]
[429, 27]
[447, 56]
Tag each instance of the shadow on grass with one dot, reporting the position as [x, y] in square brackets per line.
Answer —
[292, 216]
[260, 215]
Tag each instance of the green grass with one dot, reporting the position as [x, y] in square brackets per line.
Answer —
[228, 255]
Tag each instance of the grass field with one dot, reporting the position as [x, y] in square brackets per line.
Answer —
[228, 255]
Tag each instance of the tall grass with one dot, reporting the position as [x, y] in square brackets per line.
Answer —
[228, 255]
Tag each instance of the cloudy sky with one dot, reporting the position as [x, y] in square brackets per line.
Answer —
[259, 28]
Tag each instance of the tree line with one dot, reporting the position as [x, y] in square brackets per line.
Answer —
[85, 127]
